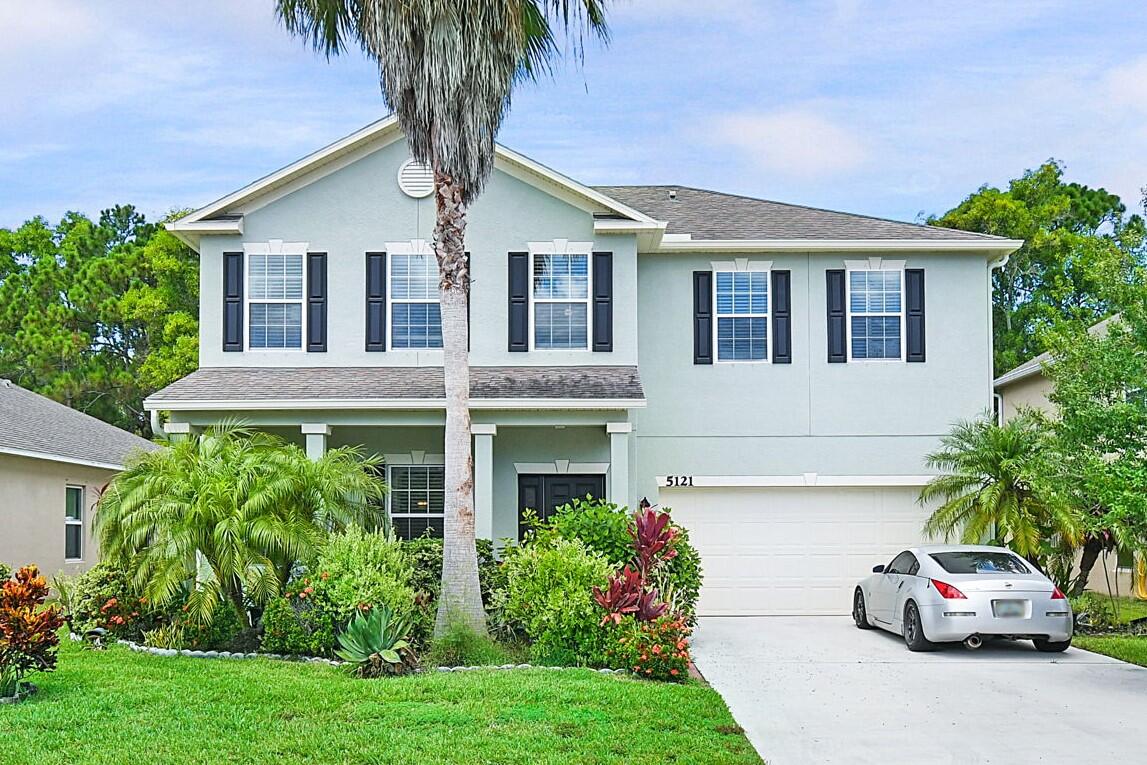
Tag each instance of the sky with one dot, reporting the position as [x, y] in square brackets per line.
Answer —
[895, 109]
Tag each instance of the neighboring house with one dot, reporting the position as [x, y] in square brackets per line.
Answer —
[54, 462]
[1028, 387]
[766, 370]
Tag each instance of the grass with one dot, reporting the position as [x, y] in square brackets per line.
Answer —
[117, 706]
[1130, 608]
[1125, 648]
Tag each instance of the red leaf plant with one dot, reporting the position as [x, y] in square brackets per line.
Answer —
[28, 631]
[653, 539]
[622, 597]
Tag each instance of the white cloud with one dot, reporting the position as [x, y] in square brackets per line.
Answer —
[792, 142]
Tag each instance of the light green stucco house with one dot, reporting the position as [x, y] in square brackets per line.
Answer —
[774, 373]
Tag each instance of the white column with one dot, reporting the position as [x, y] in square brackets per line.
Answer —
[178, 431]
[484, 479]
[618, 461]
[317, 434]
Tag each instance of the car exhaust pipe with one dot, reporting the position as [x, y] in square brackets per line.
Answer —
[972, 642]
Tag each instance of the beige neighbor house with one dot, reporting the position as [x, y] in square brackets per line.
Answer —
[1027, 387]
[54, 461]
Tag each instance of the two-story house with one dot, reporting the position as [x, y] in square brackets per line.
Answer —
[773, 373]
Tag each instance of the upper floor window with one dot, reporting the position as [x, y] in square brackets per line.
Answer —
[742, 307]
[275, 298]
[561, 301]
[415, 314]
[74, 523]
[875, 313]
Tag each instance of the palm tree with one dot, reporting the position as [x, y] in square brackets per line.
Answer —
[448, 68]
[229, 512]
[991, 488]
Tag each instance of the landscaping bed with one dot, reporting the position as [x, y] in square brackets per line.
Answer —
[115, 705]
[1123, 632]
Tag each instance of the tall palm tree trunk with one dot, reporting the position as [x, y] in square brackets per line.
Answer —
[461, 595]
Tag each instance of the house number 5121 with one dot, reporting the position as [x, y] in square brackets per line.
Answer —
[678, 480]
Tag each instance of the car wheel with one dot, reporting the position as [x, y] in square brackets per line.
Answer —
[914, 630]
[1052, 646]
[859, 613]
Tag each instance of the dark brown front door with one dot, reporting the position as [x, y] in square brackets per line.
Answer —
[545, 493]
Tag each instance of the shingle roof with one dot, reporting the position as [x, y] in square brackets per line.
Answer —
[1034, 366]
[415, 383]
[713, 215]
[37, 426]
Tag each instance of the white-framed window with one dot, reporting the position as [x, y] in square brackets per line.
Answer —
[876, 314]
[741, 305]
[74, 523]
[416, 500]
[560, 296]
[275, 289]
[415, 313]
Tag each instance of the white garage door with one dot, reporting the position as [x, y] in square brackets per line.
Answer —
[792, 550]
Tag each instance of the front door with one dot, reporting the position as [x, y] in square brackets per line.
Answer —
[545, 493]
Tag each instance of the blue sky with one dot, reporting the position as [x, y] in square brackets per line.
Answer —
[885, 108]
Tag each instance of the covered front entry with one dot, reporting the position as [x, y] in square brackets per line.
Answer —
[543, 494]
[792, 550]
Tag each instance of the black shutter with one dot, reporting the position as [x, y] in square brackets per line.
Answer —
[914, 313]
[232, 301]
[702, 317]
[376, 301]
[782, 318]
[837, 316]
[316, 302]
[603, 301]
[519, 292]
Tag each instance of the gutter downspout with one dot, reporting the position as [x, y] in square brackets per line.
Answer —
[157, 425]
[993, 264]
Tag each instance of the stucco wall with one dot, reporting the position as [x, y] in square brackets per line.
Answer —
[32, 510]
[1030, 392]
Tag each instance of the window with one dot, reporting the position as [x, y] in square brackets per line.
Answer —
[416, 500]
[980, 563]
[275, 295]
[415, 315]
[74, 523]
[1125, 559]
[561, 301]
[904, 563]
[742, 315]
[875, 312]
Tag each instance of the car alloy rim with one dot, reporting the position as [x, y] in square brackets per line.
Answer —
[911, 627]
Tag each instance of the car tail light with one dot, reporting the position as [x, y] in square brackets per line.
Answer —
[947, 591]
[1056, 594]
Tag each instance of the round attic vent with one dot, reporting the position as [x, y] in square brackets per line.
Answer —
[416, 179]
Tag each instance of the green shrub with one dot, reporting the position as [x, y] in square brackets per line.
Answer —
[657, 650]
[103, 597]
[354, 572]
[461, 646]
[5, 572]
[222, 634]
[426, 558]
[165, 636]
[549, 595]
[606, 528]
[1093, 609]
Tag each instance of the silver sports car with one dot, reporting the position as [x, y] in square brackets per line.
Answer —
[948, 593]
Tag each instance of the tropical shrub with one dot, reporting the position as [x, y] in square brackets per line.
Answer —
[354, 572]
[224, 632]
[1093, 609]
[165, 636]
[5, 571]
[460, 646]
[549, 596]
[657, 649]
[28, 630]
[426, 559]
[103, 597]
[375, 644]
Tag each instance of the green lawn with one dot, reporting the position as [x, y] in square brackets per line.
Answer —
[121, 707]
[1132, 649]
[1131, 608]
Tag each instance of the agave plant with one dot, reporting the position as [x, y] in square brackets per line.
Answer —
[375, 643]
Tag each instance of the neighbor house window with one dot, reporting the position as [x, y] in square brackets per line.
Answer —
[416, 500]
[875, 311]
[742, 315]
[561, 301]
[74, 523]
[415, 315]
[275, 295]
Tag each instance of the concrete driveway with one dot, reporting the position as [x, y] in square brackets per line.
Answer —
[815, 689]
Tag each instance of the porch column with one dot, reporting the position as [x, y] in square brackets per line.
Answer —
[484, 479]
[316, 433]
[618, 461]
[179, 431]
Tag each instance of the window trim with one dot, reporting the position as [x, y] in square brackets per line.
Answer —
[392, 256]
[427, 463]
[873, 264]
[562, 247]
[74, 522]
[744, 265]
[274, 247]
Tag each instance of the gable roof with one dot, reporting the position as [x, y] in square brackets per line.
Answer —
[34, 426]
[707, 214]
[1035, 366]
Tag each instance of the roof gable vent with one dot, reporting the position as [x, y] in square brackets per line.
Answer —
[416, 179]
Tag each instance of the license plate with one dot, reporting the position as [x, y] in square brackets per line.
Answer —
[1006, 609]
